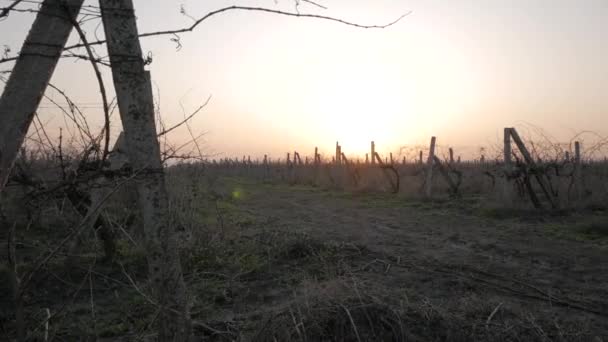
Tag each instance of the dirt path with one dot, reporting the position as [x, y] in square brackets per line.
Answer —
[446, 253]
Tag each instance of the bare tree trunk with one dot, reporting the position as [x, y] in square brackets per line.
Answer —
[135, 101]
[31, 75]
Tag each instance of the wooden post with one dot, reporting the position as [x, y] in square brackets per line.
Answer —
[446, 175]
[31, 75]
[429, 169]
[385, 168]
[528, 157]
[391, 155]
[403, 162]
[338, 153]
[451, 156]
[373, 153]
[420, 158]
[366, 158]
[296, 158]
[578, 180]
[507, 167]
[135, 102]
[288, 158]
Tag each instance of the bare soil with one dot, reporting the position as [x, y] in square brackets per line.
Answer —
[455, 256]
[273, 262]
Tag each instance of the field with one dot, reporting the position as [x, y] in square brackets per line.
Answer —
[271, 255]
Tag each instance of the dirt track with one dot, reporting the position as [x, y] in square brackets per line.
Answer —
[449, 253]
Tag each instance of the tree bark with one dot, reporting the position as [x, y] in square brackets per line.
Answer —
[135, 101]
[31, 75]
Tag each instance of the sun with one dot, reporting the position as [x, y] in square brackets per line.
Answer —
[358, 107]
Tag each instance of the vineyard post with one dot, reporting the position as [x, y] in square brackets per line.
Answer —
[373, 154]
[135, 100]
[528, 157]
[338, 160]
[30, 77]
[578, 181]
[508, 167]
[429, 170]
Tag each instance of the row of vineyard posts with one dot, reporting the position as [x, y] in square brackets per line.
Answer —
[517, 170]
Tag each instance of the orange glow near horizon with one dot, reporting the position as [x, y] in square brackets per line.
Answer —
[461, 71]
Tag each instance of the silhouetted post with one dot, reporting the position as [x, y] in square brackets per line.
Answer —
[288, 158]
[528, 157]
[337, 157]
[508, 166]
[317, 157]
[451, 156]
[31, 75]
[403, 162]
[296, 158]
[429, 169]
[391, 155]
[373, 153]
[420, 158]
[578, 181]
[366, 158]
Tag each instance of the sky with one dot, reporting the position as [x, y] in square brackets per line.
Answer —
[461, 70]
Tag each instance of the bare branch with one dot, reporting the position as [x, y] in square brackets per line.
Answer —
[6, 10]
[254, 9]
[165, 131]
[102, 88]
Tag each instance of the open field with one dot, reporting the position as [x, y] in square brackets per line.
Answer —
[270, 261]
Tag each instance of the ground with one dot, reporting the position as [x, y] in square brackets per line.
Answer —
[273, 262]
[457, 257]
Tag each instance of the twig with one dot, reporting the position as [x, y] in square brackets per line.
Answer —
[102, 88]
[6, 10]
[492, 315]
[255, 9]
[165, 131]
[352, 322]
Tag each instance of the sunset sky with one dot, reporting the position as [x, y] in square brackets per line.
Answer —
[460, 70]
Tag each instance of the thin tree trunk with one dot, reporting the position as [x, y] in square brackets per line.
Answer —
[31, 75]
[135, 101]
